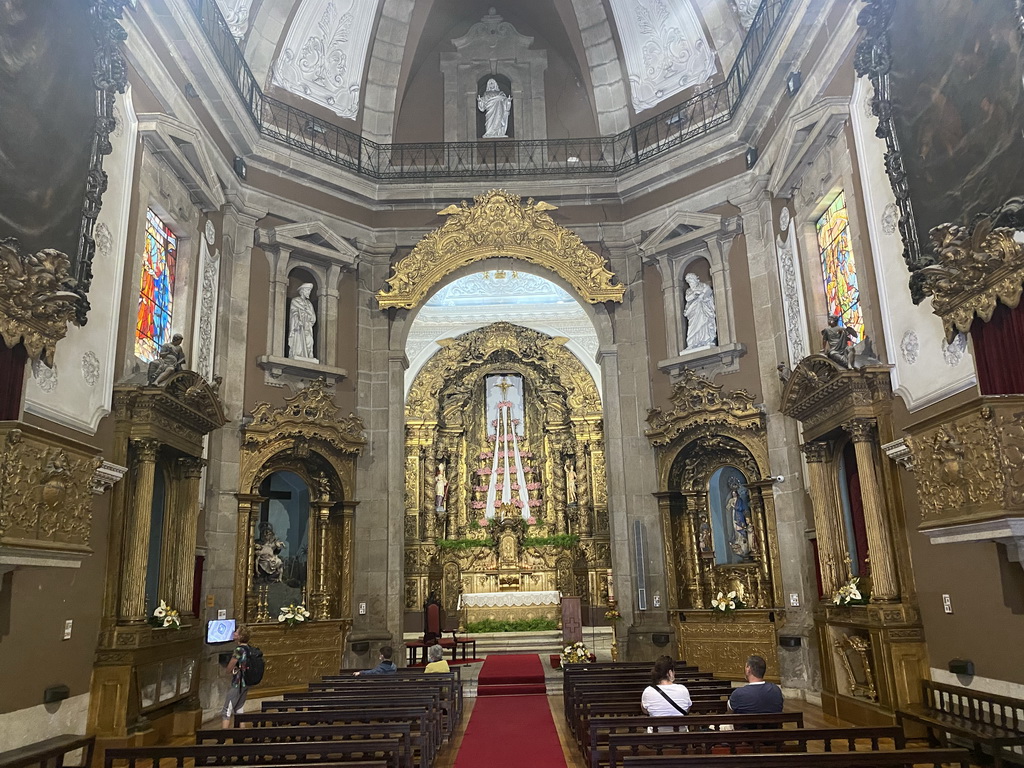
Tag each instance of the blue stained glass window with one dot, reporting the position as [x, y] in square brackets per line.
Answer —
[838, 266]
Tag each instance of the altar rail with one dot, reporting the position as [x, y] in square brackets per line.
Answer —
[638, 145]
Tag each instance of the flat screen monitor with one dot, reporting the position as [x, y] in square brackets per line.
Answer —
[220, 631]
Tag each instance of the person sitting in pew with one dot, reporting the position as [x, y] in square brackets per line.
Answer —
[757, 697]
[384, 667]
[435, 655]
[664, 697]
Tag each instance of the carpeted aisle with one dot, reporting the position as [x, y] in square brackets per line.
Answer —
[511, 674]
[511, 731]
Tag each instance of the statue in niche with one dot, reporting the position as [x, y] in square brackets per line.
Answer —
[837, 342]
[496, 107]
[701, 322]
[738, 510]
[570, 483]
[269, 565]
[170, 360]
[440, 486]
[301, 319]
[704, 536]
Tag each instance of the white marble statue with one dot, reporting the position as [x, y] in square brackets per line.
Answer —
[496, 107]
[301, 319]
[701, 323]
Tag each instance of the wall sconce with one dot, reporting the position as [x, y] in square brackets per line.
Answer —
[793, 83]
[751, 157]
[963, 667]
[241, 169]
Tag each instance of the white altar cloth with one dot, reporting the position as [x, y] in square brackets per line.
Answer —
[501, 599]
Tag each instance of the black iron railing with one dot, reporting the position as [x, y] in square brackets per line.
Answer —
[492, 158]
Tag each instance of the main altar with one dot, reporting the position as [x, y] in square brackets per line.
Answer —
[506, 495]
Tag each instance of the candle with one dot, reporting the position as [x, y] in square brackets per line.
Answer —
[611, 587]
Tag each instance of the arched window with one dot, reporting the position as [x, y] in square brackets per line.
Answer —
[156, 289]
[838, 266]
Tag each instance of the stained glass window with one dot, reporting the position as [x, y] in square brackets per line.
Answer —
[156, 290]
[838, 266]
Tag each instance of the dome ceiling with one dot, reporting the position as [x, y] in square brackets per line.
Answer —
[375, 66]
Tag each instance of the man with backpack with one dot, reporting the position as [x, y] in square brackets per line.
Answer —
[246, 669]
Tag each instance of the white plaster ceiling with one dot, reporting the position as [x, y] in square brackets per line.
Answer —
[483, 298]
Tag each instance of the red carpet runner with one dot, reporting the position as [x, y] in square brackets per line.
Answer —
[511, 731]
[511, 674]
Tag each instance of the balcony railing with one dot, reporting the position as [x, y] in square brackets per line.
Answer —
[492, 158]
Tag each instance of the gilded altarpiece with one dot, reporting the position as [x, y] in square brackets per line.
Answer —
[544, 433]
[146, 678]
[718, 519]
[313, 450]
[872, 650]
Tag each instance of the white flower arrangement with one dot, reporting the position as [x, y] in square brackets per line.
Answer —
[293, 614]
[165, 616]
[577, 653]
[849, 593]
[726, 602]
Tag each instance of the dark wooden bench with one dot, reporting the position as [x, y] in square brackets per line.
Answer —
[631, 708]
[601, 728]
[903, 758]
[52, 751]
[992, 724]
[402, 731]
[377, 696]
[450, 684]
[389, 752]
[428, 705]
[747, 741]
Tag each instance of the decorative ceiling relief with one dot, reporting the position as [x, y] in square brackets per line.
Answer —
[236, 14]
[664, 47]
[325, 52]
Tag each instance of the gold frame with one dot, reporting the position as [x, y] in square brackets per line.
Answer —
[499, 224]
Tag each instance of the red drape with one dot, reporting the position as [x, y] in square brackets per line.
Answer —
[999, 351]
[860, 531]
[12, 380]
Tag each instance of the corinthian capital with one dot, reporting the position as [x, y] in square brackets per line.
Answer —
[145, 449]
[816, 452]
[861, 430]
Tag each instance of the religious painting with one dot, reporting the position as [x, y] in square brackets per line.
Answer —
[731, 527]
[956, 104]
[54, 55]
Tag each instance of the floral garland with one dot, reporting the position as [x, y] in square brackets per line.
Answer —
[577, 653]
[293, 614]
[612, 615]
[165, 616]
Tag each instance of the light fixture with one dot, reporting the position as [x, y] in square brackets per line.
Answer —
[751, 157]
[793, 83]
[241, 169]
[313, 128]
[572, 159]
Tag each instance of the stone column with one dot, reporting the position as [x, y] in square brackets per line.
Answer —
[278, 330]
[884, 584]
[187, 516]
[137, 525]
[831, 542]
[671, 297]
[329, 307]
[321, 598]
[348, 551]
[672, 578]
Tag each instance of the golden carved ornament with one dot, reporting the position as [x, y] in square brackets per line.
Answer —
[821, 394]
[698, 401]
[969, 466]
[472, 349]
[308, 421]
[37, 298]
[45, 490]
[498, 224]
[978, 267]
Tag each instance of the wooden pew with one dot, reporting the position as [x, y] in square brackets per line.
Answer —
[984, 719]
[744, 741]
[599, 729]
[631, 708]
[54, 750]
[425, 728]
[386, 752]
[402, 731]
[377, 696]
[429, 705]
[903, 758]
[449, 682]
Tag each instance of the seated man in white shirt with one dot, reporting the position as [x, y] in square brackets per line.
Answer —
[757, 696]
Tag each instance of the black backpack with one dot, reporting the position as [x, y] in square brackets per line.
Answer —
[254, 666]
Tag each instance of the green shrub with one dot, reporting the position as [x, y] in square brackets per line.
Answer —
[566, 540]
[465, 543]
[518, 625]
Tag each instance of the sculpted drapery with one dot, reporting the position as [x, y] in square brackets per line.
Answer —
[496, 107]
[301, 319]
[701, 322]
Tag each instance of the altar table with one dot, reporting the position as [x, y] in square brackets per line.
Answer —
[510, 606]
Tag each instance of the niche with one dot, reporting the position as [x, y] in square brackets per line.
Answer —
[732, 531]
[505, 86]
[297, 278]
[282, 543]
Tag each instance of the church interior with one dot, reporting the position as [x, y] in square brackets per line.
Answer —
[673, 327]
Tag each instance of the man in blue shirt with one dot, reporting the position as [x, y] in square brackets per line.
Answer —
[757, 697]
[385, 667]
